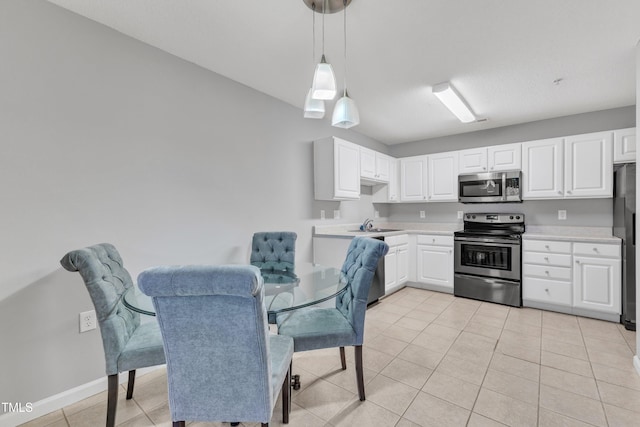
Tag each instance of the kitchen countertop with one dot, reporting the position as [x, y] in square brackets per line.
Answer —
[348, 230]
[584, 234]
[533, 232]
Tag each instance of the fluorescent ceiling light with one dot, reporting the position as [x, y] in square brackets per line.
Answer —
[454, 102]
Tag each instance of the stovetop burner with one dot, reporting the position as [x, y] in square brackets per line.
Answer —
[509, 225]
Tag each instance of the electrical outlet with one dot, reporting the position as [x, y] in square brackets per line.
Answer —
[460, 214]
[336, 214]
[422, 214]
[321, 213]
[87, 320]
[376, 214]
[562, 214]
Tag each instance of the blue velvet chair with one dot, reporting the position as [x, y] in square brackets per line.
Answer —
[274, 253]
[128, 344]
[313, 327]
[222, 363]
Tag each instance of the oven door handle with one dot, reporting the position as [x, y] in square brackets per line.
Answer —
[489, 240]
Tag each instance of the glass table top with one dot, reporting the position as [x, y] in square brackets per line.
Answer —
[283, 291]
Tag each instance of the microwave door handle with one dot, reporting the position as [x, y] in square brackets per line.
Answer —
[504, 187]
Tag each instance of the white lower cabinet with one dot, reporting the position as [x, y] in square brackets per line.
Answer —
[572, 277]
[396, 262]
[434, 262]
[596, 284]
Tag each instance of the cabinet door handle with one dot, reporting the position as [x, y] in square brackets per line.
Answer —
[595, 249]
[577, 261]
[546, 258]
[546, 272]
[568, 191]
[546, 290]
[484, 168]
[559, 191]
[546, 246]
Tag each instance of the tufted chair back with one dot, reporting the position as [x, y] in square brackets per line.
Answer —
[216, 338]
[274, 250]
[359, 267]
[106, 279]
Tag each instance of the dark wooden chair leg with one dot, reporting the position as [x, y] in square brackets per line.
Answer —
[265, 424]
[343, 359]
[179, 424]
[132, 380]
[112, 399]
[359, 372]
[286, 397]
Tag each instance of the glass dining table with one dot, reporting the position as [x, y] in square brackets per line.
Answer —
[311, 284]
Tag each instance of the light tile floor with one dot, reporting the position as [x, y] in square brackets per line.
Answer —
[432, 359]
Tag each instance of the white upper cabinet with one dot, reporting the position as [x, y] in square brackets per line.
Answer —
[624, 145]
[542, 169]
[588, 168]
[336, 166]
[504, 157]
[472, 160]
[490, 159]
[394, 177]
[413, 179]
[374, 166]
[443, 177]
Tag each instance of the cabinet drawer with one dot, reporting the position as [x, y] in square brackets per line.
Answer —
[546, 246]
[549, 291]
[596, 249]
[560, 260]
[424, 239]
[547, 272]
[396, 240]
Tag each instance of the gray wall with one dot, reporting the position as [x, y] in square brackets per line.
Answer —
[594, 213]
[107, 139]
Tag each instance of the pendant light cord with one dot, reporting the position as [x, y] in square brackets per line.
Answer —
[324, 7]
[313, 35]
[345, 47]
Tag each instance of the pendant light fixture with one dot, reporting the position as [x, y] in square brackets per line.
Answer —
[345, 113]
[324, 80]
[313, 108]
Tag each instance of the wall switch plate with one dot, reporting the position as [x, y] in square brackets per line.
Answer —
[422, 214]
[460, 214]
[562, 214]
[321, 213]
[376, 214]
[336, 214]
[87, 320]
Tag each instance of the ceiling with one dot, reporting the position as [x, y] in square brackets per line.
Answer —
[503, 56]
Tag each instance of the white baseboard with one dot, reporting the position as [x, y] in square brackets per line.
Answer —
[636, 364]
[66, 398]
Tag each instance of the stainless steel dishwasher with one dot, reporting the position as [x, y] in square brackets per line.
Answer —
[377, 285]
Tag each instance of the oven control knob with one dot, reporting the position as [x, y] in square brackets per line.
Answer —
[468, 216]
[511, 217]
[473, 216]
[518, 217]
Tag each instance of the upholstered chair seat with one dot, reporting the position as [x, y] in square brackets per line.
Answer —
[343, 325]
[128, 343]
[222, 362]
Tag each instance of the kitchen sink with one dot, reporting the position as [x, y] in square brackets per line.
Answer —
[375, 230]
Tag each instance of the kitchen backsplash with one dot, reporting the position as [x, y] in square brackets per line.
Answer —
[584, 212]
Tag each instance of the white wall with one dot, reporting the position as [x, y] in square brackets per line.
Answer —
[105, 139]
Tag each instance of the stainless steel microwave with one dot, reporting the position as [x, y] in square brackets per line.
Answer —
[492, 187]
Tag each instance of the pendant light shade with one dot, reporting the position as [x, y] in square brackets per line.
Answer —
[324, 81]
[345, 113]
[313, 108]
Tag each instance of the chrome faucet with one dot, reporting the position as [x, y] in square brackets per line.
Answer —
[367, 224]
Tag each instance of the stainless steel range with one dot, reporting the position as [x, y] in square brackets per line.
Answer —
[488, 255]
